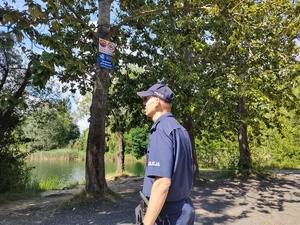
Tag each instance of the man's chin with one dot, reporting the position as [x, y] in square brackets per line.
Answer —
[148, 115]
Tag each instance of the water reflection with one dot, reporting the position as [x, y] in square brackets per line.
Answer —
[71, 172]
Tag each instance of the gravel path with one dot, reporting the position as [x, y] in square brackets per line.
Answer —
[234, 202]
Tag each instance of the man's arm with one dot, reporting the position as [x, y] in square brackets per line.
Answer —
[157, 199]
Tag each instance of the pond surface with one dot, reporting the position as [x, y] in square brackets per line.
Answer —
[73, 171]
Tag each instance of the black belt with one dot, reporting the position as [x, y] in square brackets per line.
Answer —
[168, 204]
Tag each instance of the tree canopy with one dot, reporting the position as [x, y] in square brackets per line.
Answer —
[231, 64]
[49, 126]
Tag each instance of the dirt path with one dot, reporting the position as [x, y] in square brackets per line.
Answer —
[250, 202]
[37, 210]
[275, 201]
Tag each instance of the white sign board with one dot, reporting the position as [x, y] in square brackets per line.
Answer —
[106, 47]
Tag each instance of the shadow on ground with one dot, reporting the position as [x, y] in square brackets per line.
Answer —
[273, 201]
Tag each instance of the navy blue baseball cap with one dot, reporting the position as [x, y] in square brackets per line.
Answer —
[159, 90]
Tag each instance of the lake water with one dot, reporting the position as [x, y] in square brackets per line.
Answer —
[70, 171]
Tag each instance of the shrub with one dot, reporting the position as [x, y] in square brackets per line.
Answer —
[15, 175]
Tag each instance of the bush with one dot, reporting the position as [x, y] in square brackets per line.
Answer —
[15, 175]
[81, 142]
[217, 154]
[136, 141]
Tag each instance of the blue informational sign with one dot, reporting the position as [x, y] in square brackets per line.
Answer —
[104, 61]
[106, 52]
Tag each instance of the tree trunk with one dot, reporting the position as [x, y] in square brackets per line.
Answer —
[244, 160]
[95, 167]
[8, 122]
[188, 124]
[121, 153]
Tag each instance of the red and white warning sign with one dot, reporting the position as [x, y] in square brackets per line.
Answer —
[106, 47]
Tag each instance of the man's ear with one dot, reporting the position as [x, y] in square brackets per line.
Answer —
[157, 102]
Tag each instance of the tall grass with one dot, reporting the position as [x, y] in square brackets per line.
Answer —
[53, 183]
[49, 183]
[75, 155]
[60, 154]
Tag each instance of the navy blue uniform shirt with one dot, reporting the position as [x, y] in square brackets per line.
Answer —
[169, 154]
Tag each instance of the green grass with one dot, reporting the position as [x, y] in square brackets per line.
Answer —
[53, 183]
[32, 189]
[50, 183]
[254, 173]
[290, 165]
[35, 187]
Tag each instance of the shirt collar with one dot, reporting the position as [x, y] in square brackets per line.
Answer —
[153, 128]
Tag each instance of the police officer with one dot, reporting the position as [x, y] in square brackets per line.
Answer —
[168, 177]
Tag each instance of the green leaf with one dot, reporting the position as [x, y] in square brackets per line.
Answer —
[23, 105]
[4, 103]
[5, 19]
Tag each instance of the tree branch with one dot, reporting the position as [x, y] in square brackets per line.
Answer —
[156, 11]
[79, 19]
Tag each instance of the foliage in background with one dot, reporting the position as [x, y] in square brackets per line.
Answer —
[216, 153]
[231, 64]
[18, 94]
[274, 148]
[284, 145]
[49, 125]
[111, 143]
[15, 175]
[81, 142]
[136, 141]
[13, 80]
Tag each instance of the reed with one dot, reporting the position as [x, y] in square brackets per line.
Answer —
[65, 154]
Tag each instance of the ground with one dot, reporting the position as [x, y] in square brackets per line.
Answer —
[248, 201]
